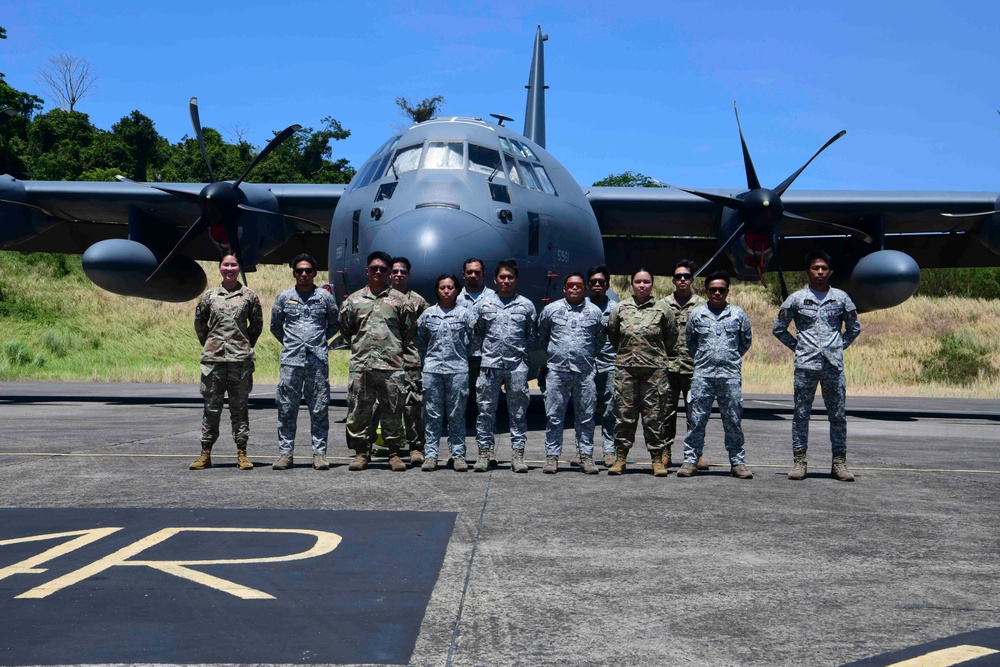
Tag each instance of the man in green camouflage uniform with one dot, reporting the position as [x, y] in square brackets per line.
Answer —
[228, 321]
[413, 404]
[378, 323]
[680, 364]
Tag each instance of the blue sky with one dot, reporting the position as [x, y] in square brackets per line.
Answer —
[647, 86]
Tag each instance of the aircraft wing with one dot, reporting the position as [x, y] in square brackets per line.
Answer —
[654, 227]
[69, 217]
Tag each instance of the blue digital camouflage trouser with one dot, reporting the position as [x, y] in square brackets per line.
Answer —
[561, 387]
[445, 393]
[834, 388]
[729, 393]
[363, 389]
[487, 396]
[218, 379]
[638, 390]
[605, 384]
[680, 385]
[313, 382]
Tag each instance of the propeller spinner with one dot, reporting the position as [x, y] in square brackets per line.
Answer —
[761, 210]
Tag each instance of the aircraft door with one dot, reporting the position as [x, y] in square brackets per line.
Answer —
[551, 262]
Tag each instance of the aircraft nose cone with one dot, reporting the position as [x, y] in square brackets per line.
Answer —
[438, 240]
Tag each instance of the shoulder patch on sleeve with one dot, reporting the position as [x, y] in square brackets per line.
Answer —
[782, 314]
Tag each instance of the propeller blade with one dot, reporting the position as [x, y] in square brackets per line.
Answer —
[288, 216]
[200, 225]
[233, 239]
[777, 264]
[183, 194]
[722, 200]
[196, 122]
[721, 248]
[856, 233]
[780, 190]
[271, 145]
[753, 183]
[968, 215]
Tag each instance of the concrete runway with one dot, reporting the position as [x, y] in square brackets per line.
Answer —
[567, 569]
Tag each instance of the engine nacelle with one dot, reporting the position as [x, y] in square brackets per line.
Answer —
[122, 266]
[16, 222]
[883, 279]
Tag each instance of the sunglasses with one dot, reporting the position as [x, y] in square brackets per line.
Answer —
[718, 290]
[682, 276]
[376, 268]
[598, 281]
[399, 272]
[299, 272]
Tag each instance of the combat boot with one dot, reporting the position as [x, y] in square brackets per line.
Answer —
[483, 461]
[416, 457]
[587, 465]
[430, 463]
[551, 466]
[665, 457]
[687, 470]
[320, 462]
[517, 463]
[203, 461]
[799, 467]
[740, 471]
[618, 467]
[242, 462]
[609, 459]
[658, 468]
[701, 463]
[575, 461]
[395, 463]
[458, 464]
[839, 471]
[284, 462]
[360, 461]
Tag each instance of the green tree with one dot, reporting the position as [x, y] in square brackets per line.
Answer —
[137, 145]
[306, 158]
[57, 144]
[14, 125]
[628, 179]
[185, 163]
[424, 110]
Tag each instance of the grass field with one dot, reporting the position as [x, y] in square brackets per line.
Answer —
[56, 325]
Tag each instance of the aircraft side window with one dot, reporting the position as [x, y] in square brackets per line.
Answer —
[500, 192]
[543, 179]
[519, 149]
[512, 174]
[444, 155]
[407, 159]
[365, 176]
[505, 145]
[379, 170]
[355, 229]
[484, 160]
[385, 190]
[529, 176]
[390, 144]
[524, 149]
[534, 234]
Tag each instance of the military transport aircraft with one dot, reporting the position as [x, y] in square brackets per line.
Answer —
[450, 188]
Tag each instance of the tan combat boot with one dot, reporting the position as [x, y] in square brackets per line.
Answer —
[551, 466]
[687, 470]
[483, 461]
[587, 465]
[799, 467]
[284, 462]
[618, 467]
[665, 457]
[430, 464]
[242, 462]
[658, 468]
[609, 459]
[459, 464]
[360, 461]
[701, 465]
[395, 463]
[203, 461]
[839, 471]
[740, 471]
[416, 457]
[517, 463]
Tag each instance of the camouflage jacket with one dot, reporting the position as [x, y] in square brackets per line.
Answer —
[445, 339]
[507, 331]
[228, 324]
[378, 327]
[468, 302]
[303, 323]
[571, 335]
[825, 328]
[718, 342]
[643, 333]
[681, 360]
[418, 304]
[605, 360]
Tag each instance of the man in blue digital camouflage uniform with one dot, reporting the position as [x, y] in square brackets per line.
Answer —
[505, 322]
[571, 332]
[303, 319]
[718, 335]
[826, 321]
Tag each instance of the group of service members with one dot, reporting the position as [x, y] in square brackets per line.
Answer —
[616, 361]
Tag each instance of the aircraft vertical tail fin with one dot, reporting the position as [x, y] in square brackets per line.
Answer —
[534, 113]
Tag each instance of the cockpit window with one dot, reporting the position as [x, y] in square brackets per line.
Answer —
[444, 155]
[512, 174]
[483, 160]
[524, 149]
[505, 145]
[543, 179]
[407, 159]
[518, 151]
[528, 175]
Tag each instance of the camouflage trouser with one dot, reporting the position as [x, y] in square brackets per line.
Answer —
[834, 388]
[236, 379]
[487, 396]
[704, 391]
[562, 386]
[680, 385]
[313, 382]
[445, 393]
[604, 382]
[640, 390]
[413, 411]
[363, 389]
